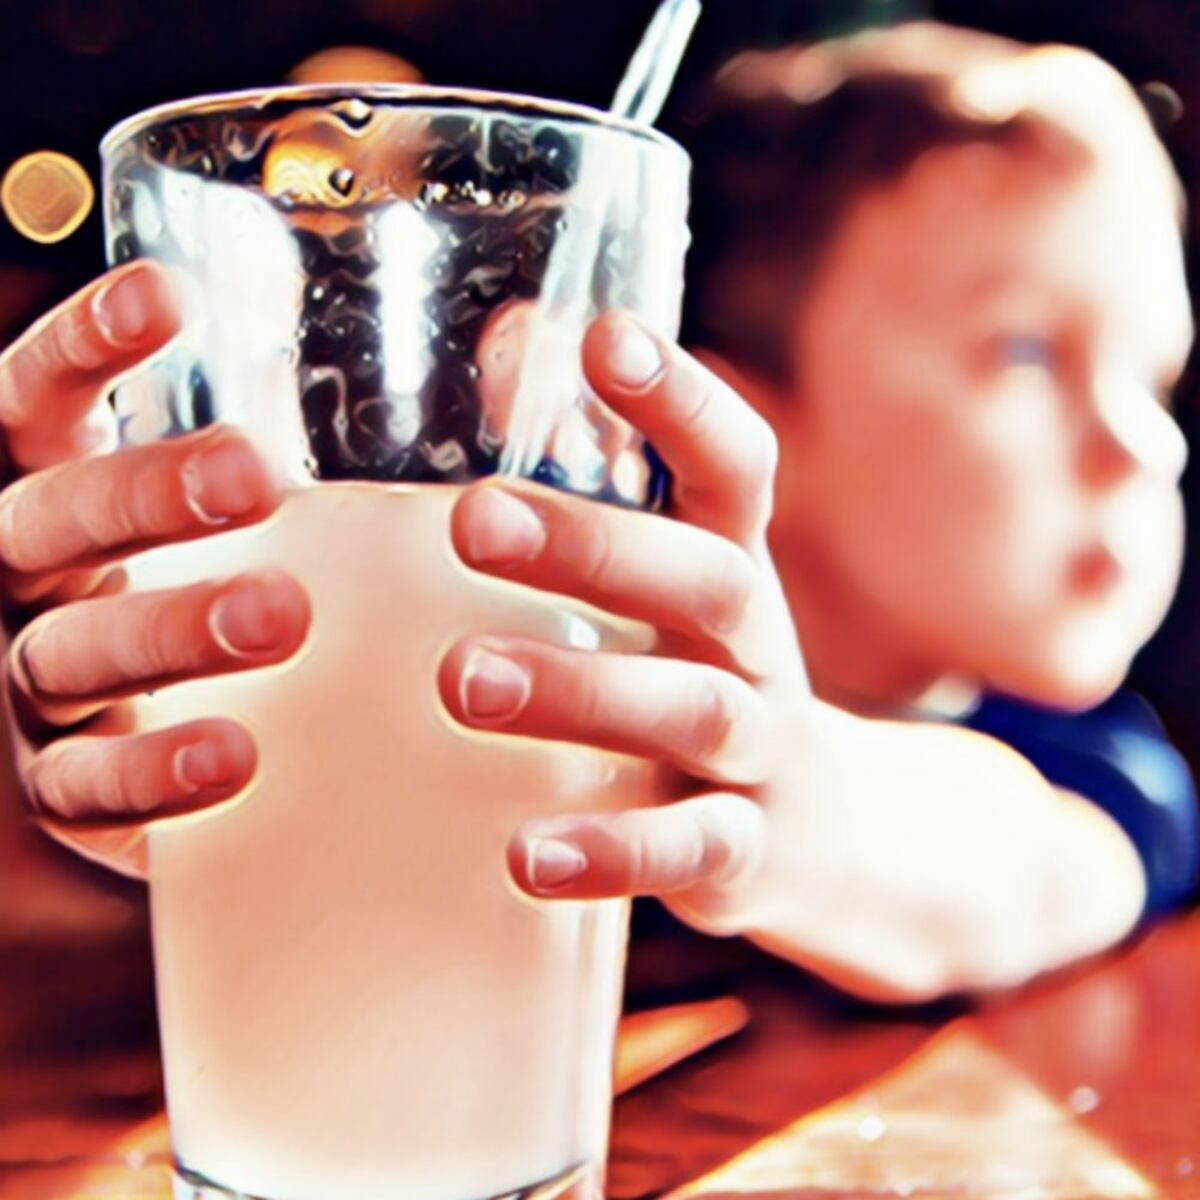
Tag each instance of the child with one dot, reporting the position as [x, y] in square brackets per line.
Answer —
[929, 528]
[947, 268]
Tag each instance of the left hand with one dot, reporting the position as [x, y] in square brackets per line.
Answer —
[710, 702]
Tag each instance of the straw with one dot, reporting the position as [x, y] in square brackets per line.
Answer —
[566, 284]
[655, 63]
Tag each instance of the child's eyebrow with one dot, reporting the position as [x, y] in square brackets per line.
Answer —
[1010, 293]
[991, 283]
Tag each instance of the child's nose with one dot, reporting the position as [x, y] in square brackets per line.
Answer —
[1128, 430]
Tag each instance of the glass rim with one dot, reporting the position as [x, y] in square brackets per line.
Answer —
[402, 95]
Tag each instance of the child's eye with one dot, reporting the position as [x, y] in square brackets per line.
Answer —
[1024, 350]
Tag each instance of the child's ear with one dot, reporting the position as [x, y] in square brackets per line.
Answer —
[765, 397]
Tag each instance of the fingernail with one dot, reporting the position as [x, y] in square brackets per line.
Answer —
[247, 619]
[122, 309]
[220, 481]
[201, 766]
[492, 687]
[635, 358]
[550, 863]
[502, 528]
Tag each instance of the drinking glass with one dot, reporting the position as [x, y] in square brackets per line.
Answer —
[386, 289]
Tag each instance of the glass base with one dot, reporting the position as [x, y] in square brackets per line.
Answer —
[582, 1182]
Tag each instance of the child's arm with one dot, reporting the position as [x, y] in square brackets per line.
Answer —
[901, 860]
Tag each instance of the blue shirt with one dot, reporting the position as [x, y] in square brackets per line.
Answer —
[1117, 756]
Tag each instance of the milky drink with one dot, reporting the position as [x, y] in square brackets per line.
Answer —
[356, 1001]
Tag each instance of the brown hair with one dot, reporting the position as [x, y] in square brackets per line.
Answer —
[784, 141]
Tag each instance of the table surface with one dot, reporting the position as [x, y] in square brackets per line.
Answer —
[1085, 1085]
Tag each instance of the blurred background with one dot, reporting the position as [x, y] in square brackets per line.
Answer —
[70, 68]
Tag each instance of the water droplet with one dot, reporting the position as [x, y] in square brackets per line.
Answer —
[1184, 1165]
[446, 457]
[145, 217]
[341, 179]
[434, 193]
[1083, 1100]
[354, 112]
[483, 197]
[511, 200]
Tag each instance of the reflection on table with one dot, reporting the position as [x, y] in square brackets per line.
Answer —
[1086, 1085]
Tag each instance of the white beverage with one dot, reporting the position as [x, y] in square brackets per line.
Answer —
[356, 1002]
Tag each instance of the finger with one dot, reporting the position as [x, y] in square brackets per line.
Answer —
[151, 774]
[85, 512]
[27, 595]
[702, 720]
[704, 843]
[52, 376]
[670, 574]
[75, 659]
[721, 452]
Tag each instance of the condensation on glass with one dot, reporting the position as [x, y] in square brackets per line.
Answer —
[393, 286]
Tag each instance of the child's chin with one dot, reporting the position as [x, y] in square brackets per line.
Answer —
[1078, 686]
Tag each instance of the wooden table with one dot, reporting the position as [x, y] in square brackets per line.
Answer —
[1088, 1085]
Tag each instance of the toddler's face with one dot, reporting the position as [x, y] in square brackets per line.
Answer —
[984, 362]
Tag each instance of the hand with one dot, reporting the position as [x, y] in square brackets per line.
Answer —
[900, 860]
[728, 669]
[69, 514]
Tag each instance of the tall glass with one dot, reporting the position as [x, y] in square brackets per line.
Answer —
[386, 288]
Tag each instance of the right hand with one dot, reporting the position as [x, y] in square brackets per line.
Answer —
[69, 512]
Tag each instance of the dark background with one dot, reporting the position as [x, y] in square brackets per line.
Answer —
[70, 68]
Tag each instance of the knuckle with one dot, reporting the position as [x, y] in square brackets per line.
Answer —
[140, 502]
[713, 720]
[43, 786]
[110, 785]
[724, 601]
[587, 549]
[718, 849]
[631, 851]
[700, 853]
[108, 515]
[131, 786]
[72, 340]
[17, 552]
[697, 405]
[586, 695]
[150, 645]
